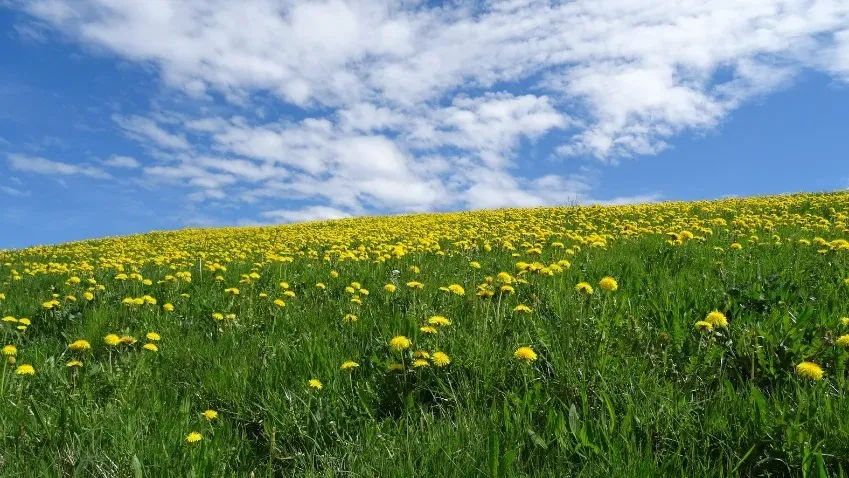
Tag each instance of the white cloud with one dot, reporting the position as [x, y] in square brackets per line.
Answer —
[39, 165]
[311, 213]
[402, 106]
[13, 192]
[125, 162]
[146, 129]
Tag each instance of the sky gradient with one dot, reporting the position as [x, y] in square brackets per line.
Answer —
[119, 117]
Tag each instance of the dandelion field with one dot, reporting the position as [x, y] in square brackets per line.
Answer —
[694, 339]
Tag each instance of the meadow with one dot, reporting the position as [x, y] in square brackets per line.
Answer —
[674, 339]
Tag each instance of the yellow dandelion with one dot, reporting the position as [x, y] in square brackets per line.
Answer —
[439, 321]
[193, 437]
[112, 340]
[153, 336]
[419, 363]
[350, 318]
[74, 363]
[704, 326]
[315, 384]
[10, 351]
[400, 343]
[210, 415]
[349, 365]
[584, 287]
[128, 339]
[428, 330]
[457, 289]
[151, 347]
[609, 284]
[522, 308]
[415, 285]
[525, 354]
[25, 369]
[843, 341]
[717, 319]
[168, 308]
[440, 359]
[809, 370]
[218, 316]
[280, 303]
[423, 354]
[79, 345]
[390, 288]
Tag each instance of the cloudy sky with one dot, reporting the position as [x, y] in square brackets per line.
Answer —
[122, 116]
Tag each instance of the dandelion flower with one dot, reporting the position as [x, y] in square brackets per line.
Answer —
[843, 341]
[440, 359]
[279, 303]
[507, 289]
[584, 287]
[522, 308]
[844, 320]
[428, 330]
[415, 285]
[400, 343]
[390, 288]
[320, 285]
[151, 347]
[10, 351]
[218, 316]
[79, 345]
[457, 289]
[419, 363]
[153, 336]
[232, 291]
[717, 319]
[74, 363]
[349, 318]
[112, 340]
[704, 326]
[809, 370]
[423, 354]
[315, 384]
[475, 264]
[193, 437]
[128, 339]
[525, 354]
[609, 284]
[439, 321]
[24, 321]
[88, 296]
[168, 308]
[735, 246]
[25, 369]
[210, 415]
[349, 365]
[9, 318]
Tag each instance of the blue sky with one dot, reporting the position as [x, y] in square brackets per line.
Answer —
[121, 117]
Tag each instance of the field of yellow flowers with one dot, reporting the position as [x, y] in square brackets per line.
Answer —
[703, 339]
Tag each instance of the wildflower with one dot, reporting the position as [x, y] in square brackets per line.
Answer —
[844, 320]
[232, 291]
[149, 300]
[440, 359]
[349, 365]
[22, 328]
[507, 289]
[584, 287]
[128, 339]
[415, 285]
[735, 246]
[151, 347]
[153, 336]
[704, 326]
[289, 293]
[24, 321]
[112, 340]
[79, 345]
[168, 307]
[9, 318]
[608, 284]
[422, 354]
[10, 351]
[279, 303]
[414, 269]
[456, 289]
[25, 369]
[504, 278]
[418, 363]
[230, 316]
[147, 282]
[210, 415]
[428, 330]
[320, 286]
[315, 384]
[717, 319]
[475, 264]
[522, 308]
[526, 354]
[809, 370]
[356, 300]
[88, 296]
[390, 288]
[350, 318]
[334, 274]
[400, 343]
[843, 341]
[193, 437]
[74, 363]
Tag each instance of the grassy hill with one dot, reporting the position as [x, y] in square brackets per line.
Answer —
[696, 339]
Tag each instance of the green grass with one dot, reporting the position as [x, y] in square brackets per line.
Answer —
[624, 385]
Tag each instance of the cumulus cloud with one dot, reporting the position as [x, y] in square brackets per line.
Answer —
[39, 165]
[398, 106]
[310, 213]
